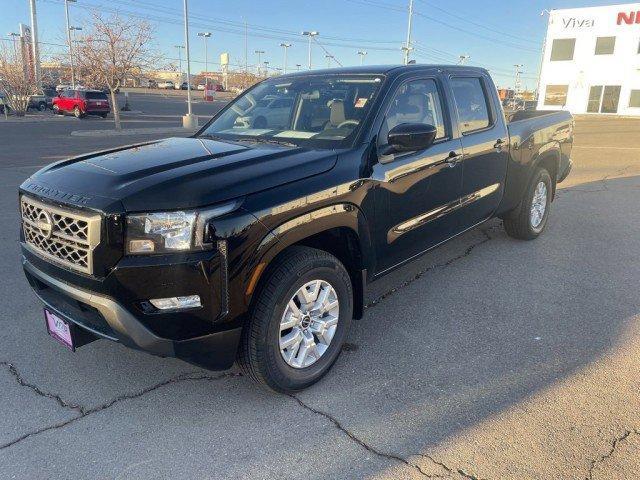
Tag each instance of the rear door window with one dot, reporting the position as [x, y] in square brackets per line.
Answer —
[95, 96]
[471, 103]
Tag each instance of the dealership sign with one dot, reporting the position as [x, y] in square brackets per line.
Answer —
[629, 18]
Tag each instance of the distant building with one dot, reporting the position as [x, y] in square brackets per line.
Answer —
[591, 61]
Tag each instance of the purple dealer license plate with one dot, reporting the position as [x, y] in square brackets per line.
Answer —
[59, 329]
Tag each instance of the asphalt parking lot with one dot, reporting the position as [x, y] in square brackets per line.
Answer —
[488, 358]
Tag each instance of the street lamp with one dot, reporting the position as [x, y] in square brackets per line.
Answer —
[462, 59]
[258, 52]
[189, 120]
[362, 53]
[266, 68]
[310, 34]
[285, 46]
[205, 35]
[298, 67]
[66, 16]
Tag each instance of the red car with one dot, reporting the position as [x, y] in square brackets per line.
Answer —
[81, 103]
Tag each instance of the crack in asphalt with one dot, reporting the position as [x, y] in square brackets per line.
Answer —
[127, 396]
[336, 423]
[421, 273]
[614, 445]
[22, 382]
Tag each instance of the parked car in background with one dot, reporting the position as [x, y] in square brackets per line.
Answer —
[37, 102]
[184, 86]
[166, 85]
[152, 84]
[201, 86]
[81, 103]
[62, 87]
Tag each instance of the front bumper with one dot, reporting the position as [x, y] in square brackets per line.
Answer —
[104, 317]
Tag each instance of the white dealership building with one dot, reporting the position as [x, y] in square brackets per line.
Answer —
[591, 61]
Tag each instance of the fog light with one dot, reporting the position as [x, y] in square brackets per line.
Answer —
[176, 303]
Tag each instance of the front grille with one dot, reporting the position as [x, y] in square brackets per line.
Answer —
[64, 236]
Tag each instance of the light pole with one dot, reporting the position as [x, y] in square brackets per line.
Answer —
[310, 34]
[462, 59]
[66, 15]
[285, 46]
[266, 68]
[329, 58]
[407, 47]
[258, 52]
[362, 54]
[542, 53]
[34, 46]
[189, 120]
[205, 35]
[73, 40]
[298, 67]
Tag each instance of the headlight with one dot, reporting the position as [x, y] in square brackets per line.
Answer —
[168, 232]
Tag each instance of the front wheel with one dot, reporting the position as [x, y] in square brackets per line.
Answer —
[299, 321]
[531, 218]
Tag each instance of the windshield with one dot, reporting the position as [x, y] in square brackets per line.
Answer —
[312, 111]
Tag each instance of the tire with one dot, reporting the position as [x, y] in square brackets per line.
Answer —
[103, 115]
[260, 356]
[523, 224]
[77, 112]
[56, 110]
[42, 106]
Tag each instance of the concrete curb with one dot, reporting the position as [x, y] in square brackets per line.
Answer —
[131, 132]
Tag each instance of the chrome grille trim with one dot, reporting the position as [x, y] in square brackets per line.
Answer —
[64, 236]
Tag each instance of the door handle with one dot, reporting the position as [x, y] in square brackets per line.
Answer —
[453, 159]
[499, 144]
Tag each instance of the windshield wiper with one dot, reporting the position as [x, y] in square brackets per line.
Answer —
[272, 141]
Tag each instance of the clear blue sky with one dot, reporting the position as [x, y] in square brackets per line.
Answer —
[496, 34]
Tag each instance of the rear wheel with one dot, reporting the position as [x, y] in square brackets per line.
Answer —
[103, 115]
[77, 112]
[42, 106]
[299, 321]
[530, 220]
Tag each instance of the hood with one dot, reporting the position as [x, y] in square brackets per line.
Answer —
[176, 173]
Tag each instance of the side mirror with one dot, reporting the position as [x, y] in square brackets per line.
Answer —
[410, 137]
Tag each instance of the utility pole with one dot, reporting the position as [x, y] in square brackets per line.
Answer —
[310, 34]
[362, 53]
[329, 58]
[258, 52]
[205, 36]
[285, 46]
[407, 46]
[66, 14]
[246, 43]
[15, 45]
[189, 120]
[34, 45]
[517, 86]
[179, 47]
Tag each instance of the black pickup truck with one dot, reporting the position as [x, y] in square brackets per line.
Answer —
[254, 239]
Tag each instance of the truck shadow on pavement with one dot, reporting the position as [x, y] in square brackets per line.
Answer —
[468, 332]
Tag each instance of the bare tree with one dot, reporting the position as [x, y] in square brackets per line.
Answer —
[16, 84]
[112, 50]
